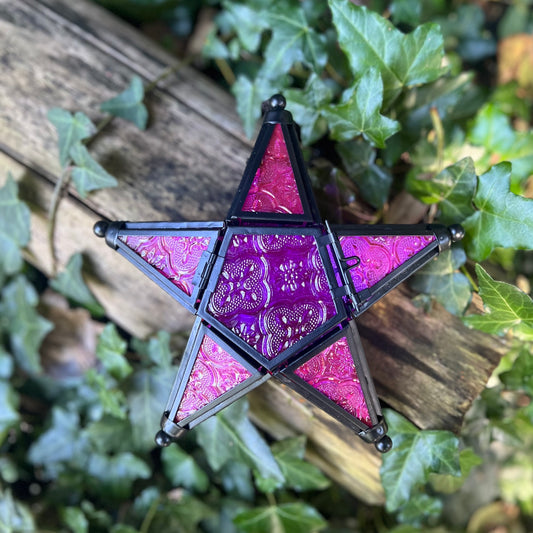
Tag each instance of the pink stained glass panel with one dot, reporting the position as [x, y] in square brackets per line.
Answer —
[332, 372]
[274, 188]
[177, 258]
[380, 255]
[272, 291]
[214, 373]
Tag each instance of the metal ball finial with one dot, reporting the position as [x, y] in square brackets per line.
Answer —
[457, 232]
[162, 439]
[384, 444]
[100, 228]
[277, 101]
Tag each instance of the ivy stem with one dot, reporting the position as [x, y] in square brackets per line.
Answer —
[60, 185]
[439, 133]
[64, 178]
[148, 519]
[335, 75]
[464, 270]
[271, 499]
[226, 71]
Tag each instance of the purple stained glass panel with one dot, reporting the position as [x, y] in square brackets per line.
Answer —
[272, 291]
[379, 255]
[274, 188]
[332, 372]
[175, 257]
[214, 373]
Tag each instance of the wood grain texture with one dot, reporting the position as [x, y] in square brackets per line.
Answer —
[187, 166]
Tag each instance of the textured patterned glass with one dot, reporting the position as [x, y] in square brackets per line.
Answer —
[274, 188]
[272, 291]
[214, 373]
[380, 255]
[332, 372]
[176, 258]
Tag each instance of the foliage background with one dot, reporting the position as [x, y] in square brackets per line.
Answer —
[407, 99]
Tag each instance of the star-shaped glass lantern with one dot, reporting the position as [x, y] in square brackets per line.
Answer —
[275, 290]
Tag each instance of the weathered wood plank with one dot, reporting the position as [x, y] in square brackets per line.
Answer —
[186, 166]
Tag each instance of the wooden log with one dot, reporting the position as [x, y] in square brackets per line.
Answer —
[186, 166]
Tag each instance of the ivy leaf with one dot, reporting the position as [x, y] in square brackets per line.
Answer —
[109, 435]
[247, 22]
[293, 40]
[453, 98]
[9, 471]
[214, 47]
[370, 41]
[230, 435]
[26, 328]
[406, 12]
[14, 227]
[285, 518]
[182, 471]
[114, 476]
[112, 400]
[237, 481]
[6, 364]
[420, 508]
[453, 189]
[447, 484]
[249, 96]
[492, 129]
[502, 218]
[358, 114]
[465, 27]
[183, 514]
[60, 444]
[520, 377]
[88, 175]
[110, 351]
[70, 283]
[148, 392]
[14, 516]
[74, 518]
[299, 474]
[506, 307]
[9, 415]
[71, 129]
[373, 180]
[98, 517]
[156, 349]
[305, 107]
[441, 280]
[129, 104]
[414, 456]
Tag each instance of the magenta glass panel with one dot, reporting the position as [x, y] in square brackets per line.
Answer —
[274, 188]
[332, 372]
[175, 257]
[380, 255]
[272, 291]
[214, 373]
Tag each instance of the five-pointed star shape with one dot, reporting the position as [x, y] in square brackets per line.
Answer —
[275, 290]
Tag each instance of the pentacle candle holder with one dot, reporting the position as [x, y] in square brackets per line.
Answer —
[275, 290]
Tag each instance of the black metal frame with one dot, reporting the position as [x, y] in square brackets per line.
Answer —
[279, 361]
[200, 329]
[362, 300]
[150, 229]
[288, 376]
[310, 210]
[348, 302]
